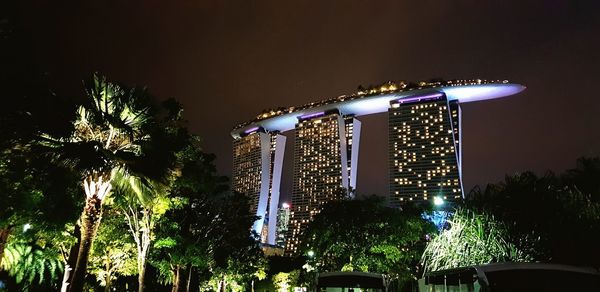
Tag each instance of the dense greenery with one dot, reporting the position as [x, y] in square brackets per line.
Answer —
[151, 199]
[366, 235]
[553, 218]
[525, 218]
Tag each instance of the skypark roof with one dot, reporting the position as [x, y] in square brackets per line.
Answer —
[365, 104]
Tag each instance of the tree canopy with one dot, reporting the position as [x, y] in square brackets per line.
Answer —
[366, 235]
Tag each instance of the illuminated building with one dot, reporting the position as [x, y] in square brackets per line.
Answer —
[424, 147]
[353, 127]
[257, 167]
[283, 220]
[424, 143]
[322, 167]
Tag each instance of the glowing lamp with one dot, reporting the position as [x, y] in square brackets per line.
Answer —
[438, 201]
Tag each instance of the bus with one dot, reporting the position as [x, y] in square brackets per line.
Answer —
[513, 277]
[351, 282]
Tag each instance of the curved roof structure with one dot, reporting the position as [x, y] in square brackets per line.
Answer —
[377, 100]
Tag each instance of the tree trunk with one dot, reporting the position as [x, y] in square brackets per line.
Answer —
[189, 279]
[4, 233]
[141, 231]
[176, 280]
[142, 257]
[141, 276]
[108, 283]
[107, 275]
[90, 220]
[71, 260]
[66, 276]
[223, 284]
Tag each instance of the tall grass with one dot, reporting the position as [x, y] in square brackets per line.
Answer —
[471, 239]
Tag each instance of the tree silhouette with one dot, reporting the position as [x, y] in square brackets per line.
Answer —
[546, 218]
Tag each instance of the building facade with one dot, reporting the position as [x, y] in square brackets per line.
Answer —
[283, 220]
[257, 167]
[323, 164]
[424, 146]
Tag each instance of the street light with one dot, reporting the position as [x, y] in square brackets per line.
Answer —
[438, 201]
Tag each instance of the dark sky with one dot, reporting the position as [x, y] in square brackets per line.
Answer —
[228, 60]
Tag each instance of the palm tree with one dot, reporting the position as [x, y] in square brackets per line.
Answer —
[107, 137]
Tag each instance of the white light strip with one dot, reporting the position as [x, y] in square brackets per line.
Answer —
[275, 188]
[355, 148]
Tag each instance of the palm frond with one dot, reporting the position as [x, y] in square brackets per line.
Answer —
[27, 262]
[140, 188]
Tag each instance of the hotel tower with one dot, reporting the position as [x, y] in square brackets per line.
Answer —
[257, 167]
[424, 148]
[324, 167]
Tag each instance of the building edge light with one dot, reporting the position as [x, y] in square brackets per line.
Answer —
[251, 130]
[420, 98]
[310, 116]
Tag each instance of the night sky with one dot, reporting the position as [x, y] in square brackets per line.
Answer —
[226, 61]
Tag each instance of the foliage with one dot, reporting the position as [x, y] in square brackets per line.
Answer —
[113, 254]
[471, 239]
[28, 262]
[585, 177]
[116, 135]
[545, 214]
[142, 199]
[236, 256]
[34, 192]
[108, 129]
[183, 234]
[286, 281]
[37, 200]
[365, 235]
